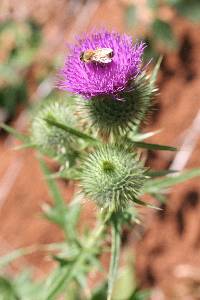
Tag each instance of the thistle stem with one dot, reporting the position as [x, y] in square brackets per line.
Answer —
[115, 253]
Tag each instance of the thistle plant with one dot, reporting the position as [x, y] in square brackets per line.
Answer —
[94, 134]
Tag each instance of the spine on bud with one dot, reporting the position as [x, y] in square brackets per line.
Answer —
[117, 116]
[112, 177]
[49, 139]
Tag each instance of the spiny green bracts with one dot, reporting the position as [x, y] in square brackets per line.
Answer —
[51, 140]
[112, 177]
[117, 117]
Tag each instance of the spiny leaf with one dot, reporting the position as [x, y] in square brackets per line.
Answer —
[19, 136]
[15, 254]
[62, 276]
[142, 203]
[24, 146]
[160, 173]
[156, 185]
[62, 261]
[154, 73]
[7, 259]
[70, 130]
[150, 146]
[26, 287]
[160, 197]
[61, 214]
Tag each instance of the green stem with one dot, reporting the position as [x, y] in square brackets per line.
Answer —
[115, 253]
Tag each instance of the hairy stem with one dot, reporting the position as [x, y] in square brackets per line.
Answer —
[115, 253]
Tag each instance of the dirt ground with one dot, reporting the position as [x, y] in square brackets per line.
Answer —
[167, 255]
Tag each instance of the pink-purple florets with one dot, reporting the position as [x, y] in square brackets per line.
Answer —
[95, 79]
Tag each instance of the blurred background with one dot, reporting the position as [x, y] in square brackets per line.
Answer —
[33, 39]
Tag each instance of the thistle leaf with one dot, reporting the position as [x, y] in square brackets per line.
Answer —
[154, 73]
[156, 185]
[150, 146]
[61, 214]
[70, 130]
[160, 173]
[8, 258]
[24, 146]
[142, 203]
[19, 136]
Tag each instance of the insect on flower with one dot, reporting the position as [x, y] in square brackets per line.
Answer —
[100, 55]
[119, 58]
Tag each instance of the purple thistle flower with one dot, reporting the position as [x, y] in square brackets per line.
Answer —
[91, 79]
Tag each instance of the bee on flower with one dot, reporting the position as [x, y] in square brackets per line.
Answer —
[100, 55]
[101, 63]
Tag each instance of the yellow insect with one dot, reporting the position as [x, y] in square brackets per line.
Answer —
[100, 55]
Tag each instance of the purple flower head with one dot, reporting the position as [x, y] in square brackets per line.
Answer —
[94, 78]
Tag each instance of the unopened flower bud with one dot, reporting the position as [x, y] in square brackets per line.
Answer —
[112, 177]
[51, 140]
[117, 117]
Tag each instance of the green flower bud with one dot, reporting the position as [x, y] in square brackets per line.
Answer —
[117, 116]
[51, 140]
[112, 177]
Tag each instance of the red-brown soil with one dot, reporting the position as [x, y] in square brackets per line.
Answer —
[167, 255]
